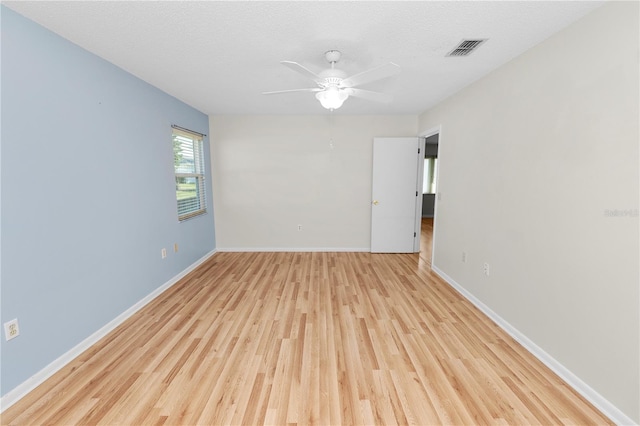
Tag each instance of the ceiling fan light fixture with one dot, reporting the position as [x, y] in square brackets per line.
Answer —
[332, 97]
[334, 86]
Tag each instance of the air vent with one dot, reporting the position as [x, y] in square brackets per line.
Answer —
[466, 47]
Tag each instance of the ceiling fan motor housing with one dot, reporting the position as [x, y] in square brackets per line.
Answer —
[331, 77]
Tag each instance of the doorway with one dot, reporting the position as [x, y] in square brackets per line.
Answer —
[430, 193]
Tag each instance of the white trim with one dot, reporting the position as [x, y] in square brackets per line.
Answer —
[37, 379]
[419, 196]
[430, 132]
[602, 404]
[297, 250]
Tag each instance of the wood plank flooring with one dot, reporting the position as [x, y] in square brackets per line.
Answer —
[426, 241]
[306, 338]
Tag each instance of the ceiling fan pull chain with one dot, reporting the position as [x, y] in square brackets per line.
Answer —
[331, 130]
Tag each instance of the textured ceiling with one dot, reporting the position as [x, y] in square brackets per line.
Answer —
[219, 56]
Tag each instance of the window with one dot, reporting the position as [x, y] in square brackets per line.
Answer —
[189, 169]
[430, 174]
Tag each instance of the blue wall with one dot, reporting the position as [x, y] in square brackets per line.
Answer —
[88, 195]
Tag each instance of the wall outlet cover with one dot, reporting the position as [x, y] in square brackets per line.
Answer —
[11, 329]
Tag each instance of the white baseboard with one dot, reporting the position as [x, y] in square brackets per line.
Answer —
[295, 250]
[34, 381]
[602, 404]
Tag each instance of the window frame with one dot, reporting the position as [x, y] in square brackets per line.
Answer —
[198, 173]
[430, 174]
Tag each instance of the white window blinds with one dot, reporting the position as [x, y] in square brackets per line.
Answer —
[188, 160]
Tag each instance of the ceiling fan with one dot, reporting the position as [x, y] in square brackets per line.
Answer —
[334, 86]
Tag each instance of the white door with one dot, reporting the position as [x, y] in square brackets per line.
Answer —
[396, 195]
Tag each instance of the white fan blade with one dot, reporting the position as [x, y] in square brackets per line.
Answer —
[313, 89]
[368, 95]
[301, 70]
[373, 74]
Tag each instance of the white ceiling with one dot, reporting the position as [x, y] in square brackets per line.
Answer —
[219, 56]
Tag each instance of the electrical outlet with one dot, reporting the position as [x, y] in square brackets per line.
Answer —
[485, 269]
[163, 253]
[11, 329]
[175, 248]
[299, 227]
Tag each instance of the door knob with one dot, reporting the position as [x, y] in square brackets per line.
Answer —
[375, 202]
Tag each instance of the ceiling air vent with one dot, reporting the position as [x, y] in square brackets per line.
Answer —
[466, 47]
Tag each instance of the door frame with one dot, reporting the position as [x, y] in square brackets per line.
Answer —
[437, 130]
[419, 178]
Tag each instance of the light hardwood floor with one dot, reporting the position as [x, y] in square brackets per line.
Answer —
[426, 241]
[306, 338]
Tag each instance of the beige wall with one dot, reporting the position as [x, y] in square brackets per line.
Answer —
[273, 173]
[532, 158]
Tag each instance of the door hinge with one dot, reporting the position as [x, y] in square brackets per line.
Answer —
[414, 235]
[418, 150]
[416, 193]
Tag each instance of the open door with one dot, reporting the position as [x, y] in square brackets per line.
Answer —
[396, 195]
